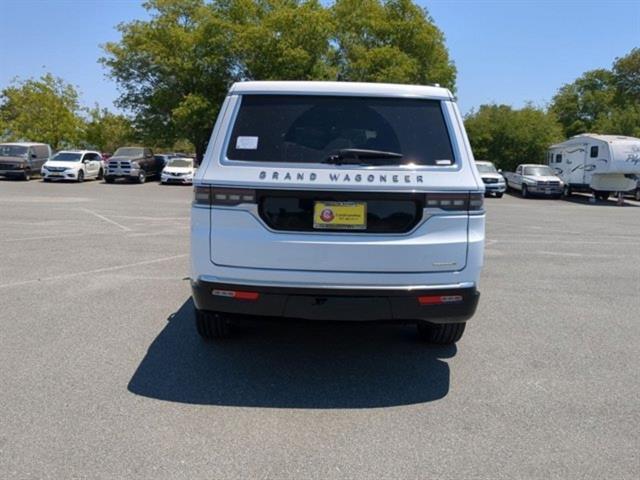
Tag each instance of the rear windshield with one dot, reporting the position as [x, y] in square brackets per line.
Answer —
[310, 129]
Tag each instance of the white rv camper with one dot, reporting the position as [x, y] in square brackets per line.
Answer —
[601, 164]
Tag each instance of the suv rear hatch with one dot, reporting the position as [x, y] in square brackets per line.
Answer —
[345, 184]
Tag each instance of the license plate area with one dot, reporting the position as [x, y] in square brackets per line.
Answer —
[295, 210]
[340, 215]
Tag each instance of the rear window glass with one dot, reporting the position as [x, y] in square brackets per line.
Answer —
[309, 129]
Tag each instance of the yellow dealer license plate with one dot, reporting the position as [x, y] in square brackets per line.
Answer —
[340, 215]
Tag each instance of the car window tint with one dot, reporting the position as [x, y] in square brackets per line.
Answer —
[307, 129]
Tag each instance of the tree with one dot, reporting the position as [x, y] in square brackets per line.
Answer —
[602, 101]
[579, 105]
[626, 75]
[106, 131]
[390, 41]
[44, 110]
[174, 70]
[508, 137]
[281, 39]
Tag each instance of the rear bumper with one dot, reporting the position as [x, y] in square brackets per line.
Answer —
[340, 304]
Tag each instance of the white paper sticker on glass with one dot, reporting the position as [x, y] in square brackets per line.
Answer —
[247, 143]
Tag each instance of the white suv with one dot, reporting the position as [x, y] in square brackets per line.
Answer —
[338, 201]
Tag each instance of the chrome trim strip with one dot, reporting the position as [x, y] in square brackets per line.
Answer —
[257, 283]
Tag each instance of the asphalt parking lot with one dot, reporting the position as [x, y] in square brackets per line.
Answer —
[103, 375]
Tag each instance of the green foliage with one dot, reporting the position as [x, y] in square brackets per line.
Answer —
[390, 41]
[602, 101]
[174, 70]
[43, 110]
[626, 74]
[508, 136]
[280, 39]
[106, 131]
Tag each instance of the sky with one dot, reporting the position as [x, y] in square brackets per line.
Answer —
[509, 52]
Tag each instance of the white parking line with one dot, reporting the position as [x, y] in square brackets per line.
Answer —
[48, 237]
[88, 272]
[113, 222]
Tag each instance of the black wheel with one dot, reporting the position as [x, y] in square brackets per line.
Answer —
[525, 191]
[211, 325]
[499, 195]
[100, 174]
[602, 195]
[109, 179]
[46, 179]
[142, 177]
[444, 334]
[80, 178]
[636, 196]
[566, 191]
[26, 176]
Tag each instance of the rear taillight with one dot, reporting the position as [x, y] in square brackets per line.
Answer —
[439, 299]
[223, 196]
[236, 294]
[202, 196]
[455, 201]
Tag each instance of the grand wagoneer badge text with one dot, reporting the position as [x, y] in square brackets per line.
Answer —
[339, 177]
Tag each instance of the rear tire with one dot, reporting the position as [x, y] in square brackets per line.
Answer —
[442, 334]
[212, 325]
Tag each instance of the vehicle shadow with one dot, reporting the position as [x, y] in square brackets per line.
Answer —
[293, 365]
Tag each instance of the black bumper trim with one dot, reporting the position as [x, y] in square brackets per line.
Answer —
[399, 305]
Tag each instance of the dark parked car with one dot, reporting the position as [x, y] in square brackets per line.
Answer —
[135, 164]
[23, 160]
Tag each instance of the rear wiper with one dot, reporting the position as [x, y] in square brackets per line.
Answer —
[355, 156]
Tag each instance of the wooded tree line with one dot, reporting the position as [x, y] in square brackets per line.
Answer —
[174, 69]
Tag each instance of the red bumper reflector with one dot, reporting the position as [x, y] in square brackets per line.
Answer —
[439, 299]
[236, 294]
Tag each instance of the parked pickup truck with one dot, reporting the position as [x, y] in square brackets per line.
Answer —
[533, 179]
[134, 164]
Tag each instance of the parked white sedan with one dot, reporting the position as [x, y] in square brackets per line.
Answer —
[76, 165]
[178, 170]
